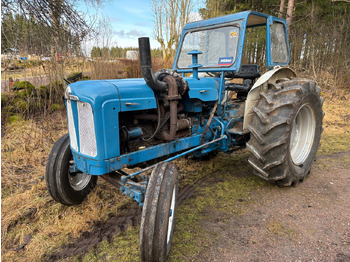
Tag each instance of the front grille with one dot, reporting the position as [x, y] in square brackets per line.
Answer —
[87, 138]
[86, 128]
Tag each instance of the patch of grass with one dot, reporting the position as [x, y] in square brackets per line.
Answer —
[125, 247]
[214, 203]
[327, 164]
[336, 123]
[15, 118]
[332, 143]
[276, 229]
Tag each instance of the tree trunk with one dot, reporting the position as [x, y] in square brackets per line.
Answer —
[280, 13]
[163, 50]
[290, 13]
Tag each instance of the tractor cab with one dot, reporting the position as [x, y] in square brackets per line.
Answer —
[221, 42]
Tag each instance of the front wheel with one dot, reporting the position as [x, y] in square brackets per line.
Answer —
[286, 131]
[158, 214]
[66, 187]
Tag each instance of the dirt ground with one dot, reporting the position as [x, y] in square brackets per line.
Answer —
[310, 222]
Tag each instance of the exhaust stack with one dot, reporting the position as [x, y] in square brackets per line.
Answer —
[146, 66]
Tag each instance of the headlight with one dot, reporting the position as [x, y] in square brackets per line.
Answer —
[67, 93]
[71, 126]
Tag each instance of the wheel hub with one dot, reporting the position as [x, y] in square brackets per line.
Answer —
[78, 180]
[303, 133]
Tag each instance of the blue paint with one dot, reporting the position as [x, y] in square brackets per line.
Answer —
[136, 191]
[269, 22]
[195, 64]
[204, 89]
[92, 166]
[134, 132]
[108, 98]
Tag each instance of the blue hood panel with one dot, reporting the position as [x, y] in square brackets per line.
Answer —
[133, 93]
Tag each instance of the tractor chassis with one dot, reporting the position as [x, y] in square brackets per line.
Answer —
[135, 184]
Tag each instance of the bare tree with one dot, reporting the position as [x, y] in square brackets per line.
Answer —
[104, 36]
[170, 16]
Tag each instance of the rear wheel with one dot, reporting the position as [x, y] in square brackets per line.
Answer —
[286, 131]
[158, 214]
[66, 187]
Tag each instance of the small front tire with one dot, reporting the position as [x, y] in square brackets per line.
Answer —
[64, 186]
[158, 215]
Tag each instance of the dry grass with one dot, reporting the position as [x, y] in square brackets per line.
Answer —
[98, 69]
[336, 87]
[27, 209]
[336, 124]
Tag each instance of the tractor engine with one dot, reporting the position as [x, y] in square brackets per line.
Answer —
[140, 129]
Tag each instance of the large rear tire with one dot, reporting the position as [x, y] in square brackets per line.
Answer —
[286, 131]
[64, 186]
[158, 214]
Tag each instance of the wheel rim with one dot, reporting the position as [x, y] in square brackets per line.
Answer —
[302, 136]
[78, 180]
[171, 216]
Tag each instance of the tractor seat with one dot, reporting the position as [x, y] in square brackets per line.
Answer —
[248, 73]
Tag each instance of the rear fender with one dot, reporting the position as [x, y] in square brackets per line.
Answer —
[253, 96]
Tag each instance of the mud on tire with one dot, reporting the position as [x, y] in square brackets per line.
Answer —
[286, 131]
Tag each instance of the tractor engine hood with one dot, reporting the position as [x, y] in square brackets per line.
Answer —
[93, 117]
[131, 94]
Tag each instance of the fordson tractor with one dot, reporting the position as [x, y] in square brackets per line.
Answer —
[189, 109]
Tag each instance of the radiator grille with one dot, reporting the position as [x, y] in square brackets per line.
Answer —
[87, 138]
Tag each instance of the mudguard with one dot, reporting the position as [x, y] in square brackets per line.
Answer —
[253, 96]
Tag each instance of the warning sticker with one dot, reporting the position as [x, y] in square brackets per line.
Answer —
[233, 34]
[223, 61]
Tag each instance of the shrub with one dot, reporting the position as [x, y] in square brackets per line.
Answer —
[15, 118]
[56, 107]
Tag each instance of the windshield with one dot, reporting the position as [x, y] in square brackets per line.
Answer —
[218, 45]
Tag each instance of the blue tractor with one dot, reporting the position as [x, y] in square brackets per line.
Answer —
[189, 109]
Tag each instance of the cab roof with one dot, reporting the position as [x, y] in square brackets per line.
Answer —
[253, 19]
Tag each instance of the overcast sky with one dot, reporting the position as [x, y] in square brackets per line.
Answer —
[129, 20]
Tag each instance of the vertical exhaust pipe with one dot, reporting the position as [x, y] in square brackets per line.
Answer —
[146, 66]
